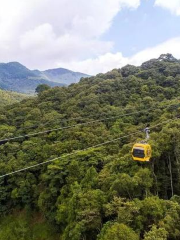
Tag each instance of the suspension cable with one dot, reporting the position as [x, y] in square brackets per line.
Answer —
[82, 150]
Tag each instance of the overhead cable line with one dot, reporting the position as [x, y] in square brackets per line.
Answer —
[78, 124]
[82, 150]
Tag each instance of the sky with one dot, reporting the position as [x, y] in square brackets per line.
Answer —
[88, 36]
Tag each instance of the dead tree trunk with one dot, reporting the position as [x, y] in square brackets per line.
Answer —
[171, 177]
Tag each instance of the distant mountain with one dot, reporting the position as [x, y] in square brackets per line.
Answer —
[16, 77]
[62, 75]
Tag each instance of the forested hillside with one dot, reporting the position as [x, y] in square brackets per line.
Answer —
[7, 98]
[98, 193]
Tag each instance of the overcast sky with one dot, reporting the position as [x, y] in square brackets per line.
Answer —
[90, 36]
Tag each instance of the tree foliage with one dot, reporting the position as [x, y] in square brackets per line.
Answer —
[42, 87]
[98, 193]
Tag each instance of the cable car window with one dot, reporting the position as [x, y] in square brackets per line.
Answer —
[138, 153]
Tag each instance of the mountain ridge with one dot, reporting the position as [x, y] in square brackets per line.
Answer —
[16, 77]
[63, 75]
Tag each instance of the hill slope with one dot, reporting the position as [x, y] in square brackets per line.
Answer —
[98, 193]
[7, 98]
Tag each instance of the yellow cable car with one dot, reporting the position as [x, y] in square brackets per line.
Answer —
[141, 152]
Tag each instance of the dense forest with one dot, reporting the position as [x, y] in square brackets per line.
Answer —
[98, 193]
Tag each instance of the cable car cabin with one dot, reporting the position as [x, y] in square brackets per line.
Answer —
[141, 152]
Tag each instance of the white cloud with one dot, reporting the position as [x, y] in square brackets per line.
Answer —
[42, 33]
[66, 33]
[100, 64]
[171, 5]
[110, 61]
[43, 41]
[170, 46]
